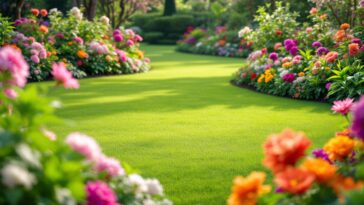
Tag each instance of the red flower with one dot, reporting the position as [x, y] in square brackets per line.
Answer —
[253, 76]
[294, 181]
[284, 149]
[43, 12]
[35, 12]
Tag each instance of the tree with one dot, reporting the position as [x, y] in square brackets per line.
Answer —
[169, 7]
[119, 11]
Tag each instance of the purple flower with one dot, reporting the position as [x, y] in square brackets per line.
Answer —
[294, 50]
[322, 51]
[320, 153]
[289, 77]
[118, 38]
[290, 42]
[273, 56]
[357, 126]
[316, 44]
[328, 86]
[99, 193]
[356, 40]
[192, 40]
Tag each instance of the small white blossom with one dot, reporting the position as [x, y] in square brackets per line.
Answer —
[154, 187]
[14, 174]
[105, 20]
[138, 182]
[28, 155]
[244, 31]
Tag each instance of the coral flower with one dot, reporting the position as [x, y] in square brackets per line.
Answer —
[246, 190]
[277, 46]
[63, 76]
[353, 49]
[284, 149]
[341, 184]
[340, 36]
[339, 147]
[331, 56]
[35, 12]
[43, 29]
[345, 26]
[294, 181]
[322, 169]
[82, 54]
[343, 106]
[357, 126]
[43, 12]
[313, 11]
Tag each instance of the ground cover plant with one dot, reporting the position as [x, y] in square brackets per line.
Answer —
[321, 61]
[88, 48]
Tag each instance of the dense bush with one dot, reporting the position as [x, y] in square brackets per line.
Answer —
[37, 167]
[331, 175]
[91, 48]
[316, 62]
[218, 42]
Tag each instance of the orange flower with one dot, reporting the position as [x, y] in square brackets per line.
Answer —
[43, 29]
[35, 12]
[341, 184]
[339, 147]
[108, 58]
[322, 169]
[323, 17]
[82, 54]
[246, 190]
[345, 26]
[70, 43]
[294, 181]
[284, 149]
[54, 53]
[43, 12]
[354, 49]
[222, 42]
[287, 65]
[345, 132]
[340, 35]
[301, 74]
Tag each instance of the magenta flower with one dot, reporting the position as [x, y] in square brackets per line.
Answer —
[357, 126]
[328, 86]
[320, 153]
[84, 145]
[356, 40]
[138, 38]
[316, 44]
[116, 32]
[122, 55]
[322, 51]
[342, 106]
[99, 193]
[130, 43]
[289, 77]
[293, 51]
[118, 38]
[109, 165]
[12, 62]
[274, 56]
[63, 76]
[78, 40]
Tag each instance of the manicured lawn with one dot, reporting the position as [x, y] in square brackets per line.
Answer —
[185, 124]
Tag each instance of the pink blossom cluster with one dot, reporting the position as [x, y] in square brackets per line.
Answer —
[122, 55]
[63, 76]
[89, 148]
[98, 48]
[99, 193]
[37, 52]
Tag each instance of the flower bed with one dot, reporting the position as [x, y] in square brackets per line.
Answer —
[332, 175]
[219, 43]
[319, 62]
[37, 167]
[86, 48]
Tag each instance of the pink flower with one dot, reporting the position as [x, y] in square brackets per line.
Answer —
[109, 165]
[118, 38]
[122, 55]
[63, 76]
[99, 193]
[11, 61]
[343, 106]
[10, 93]
[130, 43]
[78, 40]
[138, 38]
[49, 134]
[84, 145]
[35, 59]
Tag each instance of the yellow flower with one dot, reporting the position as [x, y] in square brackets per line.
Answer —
[261, 78]
[140, 54]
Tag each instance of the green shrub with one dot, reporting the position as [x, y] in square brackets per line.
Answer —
[153, 37]
[237, 20]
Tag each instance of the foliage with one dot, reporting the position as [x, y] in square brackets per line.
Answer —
[5, 29]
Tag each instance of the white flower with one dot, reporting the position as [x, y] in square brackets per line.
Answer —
[299, 79]
[28, 155]
[14, 174]
[76, 12]
[105, 20]
[244, 31]
[138, 182]
[166, 202]
[56, 104]
[149, 202]
[64, 196]
[54, 11]
[154, 187]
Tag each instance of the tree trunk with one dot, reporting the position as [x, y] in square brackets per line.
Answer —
[92, 10]
[19, 8]
[169, 7]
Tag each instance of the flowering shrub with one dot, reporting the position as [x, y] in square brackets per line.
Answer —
[318, 62]
[92, 48]
[332, 175]
[38, 167]
[218, 42]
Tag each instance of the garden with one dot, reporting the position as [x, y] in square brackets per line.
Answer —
[185, 102]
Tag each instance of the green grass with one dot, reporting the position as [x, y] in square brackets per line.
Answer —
[185, 124]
